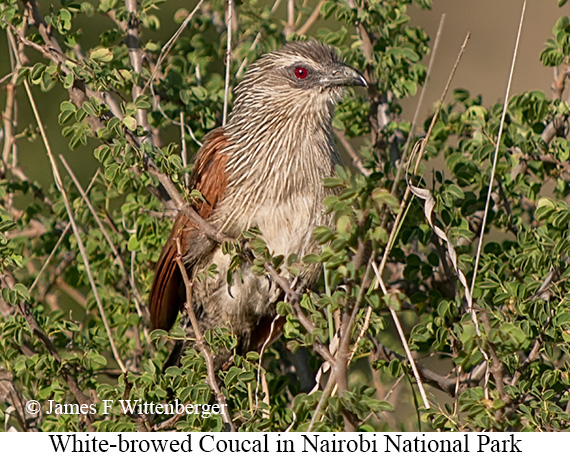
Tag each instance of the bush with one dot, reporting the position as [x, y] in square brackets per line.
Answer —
[488, 330]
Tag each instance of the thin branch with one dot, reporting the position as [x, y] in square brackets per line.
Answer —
[172, 191]
[245, 61]
[53, 51]
[290, 26]
[166, 182]
[340, 371]
[8, 390]
[182, 125]
[404, 204]
[80, 245]
[349, 316]
[229, 18]
[419, 156]
[405, 200]
[60, 240]
[402, 336]
[68, 377]
[184, 150]
[356, 160]
[410, 138]
[132, 40]
[496, 367]
[314, 17]
[142, 312]
[8, 117]
[10, 114]
[261, 379]
[293, 297]
[379, 114]
[170, 43]
[496, 153]
[443, 383]
[324, 396]
[201, 342]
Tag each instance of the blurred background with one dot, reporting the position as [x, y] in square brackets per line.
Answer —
[485, 66]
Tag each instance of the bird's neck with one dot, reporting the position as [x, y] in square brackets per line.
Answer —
[281, 128]
[288, 146]
[278, 156]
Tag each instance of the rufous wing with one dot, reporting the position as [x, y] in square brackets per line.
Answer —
[167, 293]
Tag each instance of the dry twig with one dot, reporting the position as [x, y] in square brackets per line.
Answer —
[201, 342]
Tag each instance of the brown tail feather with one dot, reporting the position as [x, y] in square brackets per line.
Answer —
[165, 297]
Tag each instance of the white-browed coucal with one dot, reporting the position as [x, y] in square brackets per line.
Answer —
[265, 168]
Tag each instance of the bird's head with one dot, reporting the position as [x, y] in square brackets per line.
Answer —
[308, 74]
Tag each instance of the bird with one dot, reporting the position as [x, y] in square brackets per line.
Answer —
[264, 169]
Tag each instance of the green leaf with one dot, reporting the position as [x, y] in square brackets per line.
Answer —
[514, 334]
[130, 122]
[7, 225]
[101, 55]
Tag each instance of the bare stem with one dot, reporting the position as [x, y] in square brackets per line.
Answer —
[496, 153]
[201, 342]
[170, 43]
[314, 17]
[402, 336]
[138, 299]
[229, 12]
[132, 41]
[80, 245]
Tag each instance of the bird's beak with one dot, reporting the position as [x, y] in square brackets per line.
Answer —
[343, 75]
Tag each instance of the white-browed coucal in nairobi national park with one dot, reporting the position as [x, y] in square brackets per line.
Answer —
[265, 168]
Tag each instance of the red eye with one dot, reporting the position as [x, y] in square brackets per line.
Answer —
[301, 72]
